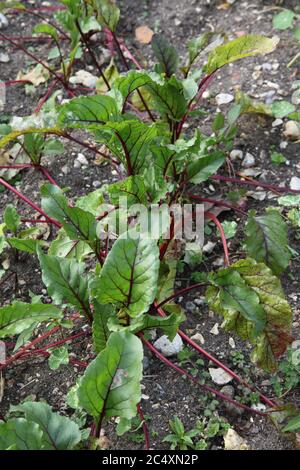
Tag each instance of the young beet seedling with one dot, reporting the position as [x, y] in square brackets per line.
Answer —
[131, 286]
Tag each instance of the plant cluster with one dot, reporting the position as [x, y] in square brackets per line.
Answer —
[102, 265]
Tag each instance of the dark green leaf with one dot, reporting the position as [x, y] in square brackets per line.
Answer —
[65, 281]
[128, 278]
[85, 110]
[166, 54]
[102, 313]
[20, 434]
[267, 240]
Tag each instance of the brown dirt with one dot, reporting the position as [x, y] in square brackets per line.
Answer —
[168, 394]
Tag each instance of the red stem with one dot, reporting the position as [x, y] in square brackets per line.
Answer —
[29, 202]
[28, 346]
[270, 187]
[212, 217]
[217, 203]
[46, 96]
[16, 82]
[45, 172]
[144, 426]
[203, 85]
[211, 358]
[207, 388]
[16, 167]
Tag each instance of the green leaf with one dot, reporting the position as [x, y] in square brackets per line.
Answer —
[196, 45]
[58, 357]
[45, 28]
[203, 167]
[86, 110]
[132, 188]
[18, 316]
[277, 158]
[290, 200]
[11, 218]
[101, 332]
[58, 432]
[29, 246]
[166, 54]
[267, 240]
[127, 84]
[129, 275]
[53, 147]
[239, 48]
[65, 281]
[65, 247]
[128, 141]
[78, 224]
[22, 434]
[297, 33]
[230, 228]
[169, 98]
[111, 74]
[234, 294]
[273, 340]
[108, 13]
[293, 425]
[282, 108]
[169, 325]
[284, 19]
[111, 383]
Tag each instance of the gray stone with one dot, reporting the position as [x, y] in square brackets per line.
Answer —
[295, 183]
[248, 161]
[224, 98]
[292, 130]
[169, 348]
[3, 21]
[4, 58]
[230, 407]
[219, 376]
[236, 154]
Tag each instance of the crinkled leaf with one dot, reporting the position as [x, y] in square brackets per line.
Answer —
[273, 340]
[58, 432]
[239, 48]
[132, 188]
[86, 110]
[65, 281]
[166, 54]
[169, 98]
[267, 240]
[18, 316]
[128, 141]
[111, 383]
[128, 278]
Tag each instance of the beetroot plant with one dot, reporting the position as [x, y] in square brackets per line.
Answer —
[106, 264]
